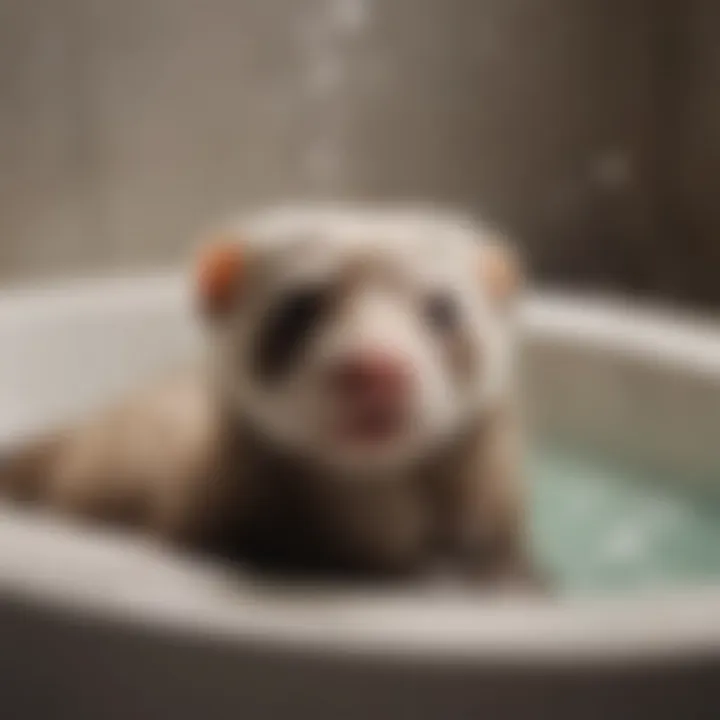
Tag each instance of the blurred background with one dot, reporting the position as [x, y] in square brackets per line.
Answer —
[588, 128]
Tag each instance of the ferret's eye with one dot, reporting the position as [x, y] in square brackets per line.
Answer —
[288, 325]
[442, 312]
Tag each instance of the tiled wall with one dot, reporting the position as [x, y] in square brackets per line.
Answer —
[126, 125]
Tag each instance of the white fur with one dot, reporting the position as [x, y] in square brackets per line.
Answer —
[429, 250]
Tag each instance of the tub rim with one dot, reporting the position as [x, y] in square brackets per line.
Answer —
[576, 629]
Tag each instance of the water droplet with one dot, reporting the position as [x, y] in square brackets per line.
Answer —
[351, 15]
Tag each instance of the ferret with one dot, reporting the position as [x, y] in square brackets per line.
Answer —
[355, 412]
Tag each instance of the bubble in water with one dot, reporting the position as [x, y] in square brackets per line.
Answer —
[626, 544]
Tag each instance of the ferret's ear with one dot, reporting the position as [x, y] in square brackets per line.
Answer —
[219, 274]
[500, 269]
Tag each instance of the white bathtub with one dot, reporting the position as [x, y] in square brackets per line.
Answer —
[96, 626]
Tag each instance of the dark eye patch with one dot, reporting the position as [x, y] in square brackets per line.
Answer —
[286, 329]
[444, 315]
[442, 312]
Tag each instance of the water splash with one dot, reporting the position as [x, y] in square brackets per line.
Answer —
[326, 43]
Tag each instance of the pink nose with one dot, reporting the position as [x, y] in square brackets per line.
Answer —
[371, 375]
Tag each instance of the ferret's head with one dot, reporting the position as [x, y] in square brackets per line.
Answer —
[362, 339]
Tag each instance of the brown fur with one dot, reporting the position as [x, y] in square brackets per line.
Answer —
[171, 463]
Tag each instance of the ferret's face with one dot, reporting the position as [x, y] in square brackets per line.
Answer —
[360, 340]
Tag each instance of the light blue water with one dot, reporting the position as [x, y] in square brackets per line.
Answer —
[600, 528]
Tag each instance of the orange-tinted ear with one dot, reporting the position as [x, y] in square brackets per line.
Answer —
[500, 270]
[219, 274]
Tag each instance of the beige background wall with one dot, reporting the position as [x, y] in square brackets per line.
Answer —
[691, 151]
[127, 125]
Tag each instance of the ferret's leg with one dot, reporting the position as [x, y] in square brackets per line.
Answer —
[64, 472]
[487, 511]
